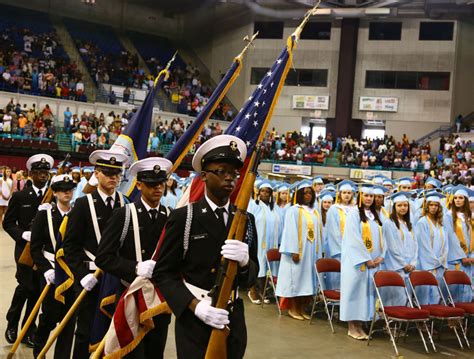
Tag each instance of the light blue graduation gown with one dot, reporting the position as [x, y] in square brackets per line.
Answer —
[357, 288]
[298, 279]
[269, 228]
[78, 192]
[432, 256]
[171, 200]
[455, 255]
[402, 250]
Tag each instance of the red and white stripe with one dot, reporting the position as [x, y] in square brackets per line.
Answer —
[133, 317]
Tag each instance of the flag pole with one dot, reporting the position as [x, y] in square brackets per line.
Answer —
[30, 319]
[52, 338]
[238, 58]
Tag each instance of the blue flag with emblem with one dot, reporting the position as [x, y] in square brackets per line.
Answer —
[133, 141]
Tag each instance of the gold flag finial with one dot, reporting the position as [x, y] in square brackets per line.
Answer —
[249, 43]
[171, 61]
[308, 14]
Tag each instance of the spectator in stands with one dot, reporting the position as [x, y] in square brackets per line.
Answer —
[67, 120]
[7, 122]
[126, 94]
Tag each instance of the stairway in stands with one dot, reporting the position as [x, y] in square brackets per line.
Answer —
[161, 99]
[73, 53]
[64, 142]
[333, 160]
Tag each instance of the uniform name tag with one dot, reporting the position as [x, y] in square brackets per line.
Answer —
[197, 237]
[26, 205]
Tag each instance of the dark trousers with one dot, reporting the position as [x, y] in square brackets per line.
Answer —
[26, 292]
[192, 335]
[85, 319]
[52, 312]
[154, 343]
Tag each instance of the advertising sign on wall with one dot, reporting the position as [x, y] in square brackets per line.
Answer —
[291, 169]
[310, 102]
[378, 104]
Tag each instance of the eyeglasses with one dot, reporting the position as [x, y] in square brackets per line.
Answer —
[223, 174]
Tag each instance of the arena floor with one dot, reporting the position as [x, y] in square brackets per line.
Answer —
[270, 336]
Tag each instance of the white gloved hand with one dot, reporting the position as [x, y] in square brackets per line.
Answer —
[89, 282]
[49, 276]
[214, 317]
[93, 181]
[26, 235]
[44, 206]
[145, 269]
[236, 251]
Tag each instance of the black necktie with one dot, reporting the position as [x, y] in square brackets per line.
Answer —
[18, 185]
[153, 214]
[220, 215]
[40, 193]
[109, 203]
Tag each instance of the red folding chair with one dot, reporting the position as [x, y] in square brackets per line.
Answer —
[458, 277]
[273, 255]
[398, 314]
[331, 297]
[442, 311]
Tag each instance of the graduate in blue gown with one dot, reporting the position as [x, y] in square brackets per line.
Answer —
[172, 193]
[363, 252]
[283, 200]
[461, 243]
[402, 247]
[326, 200]
[379, 199]
[269, 228]
[432, 237]
[300, 247]
[336, 218]
[318, 186]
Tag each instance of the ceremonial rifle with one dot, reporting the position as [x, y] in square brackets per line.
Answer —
[221, 292]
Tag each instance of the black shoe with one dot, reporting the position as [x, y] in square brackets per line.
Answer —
[28, 341]
[11, 335]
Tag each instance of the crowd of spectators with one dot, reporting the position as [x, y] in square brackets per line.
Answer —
[295, 146]
[37, 65]
[28, 122]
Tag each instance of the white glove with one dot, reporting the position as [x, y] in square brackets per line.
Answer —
[49, 276]
[236, 251]
[93, 181]
[89, 282]
[26, 235]
[214, 317]
[145, 269]
[44, 206]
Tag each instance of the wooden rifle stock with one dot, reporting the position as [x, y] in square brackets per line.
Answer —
[25, 257]
[217, 346]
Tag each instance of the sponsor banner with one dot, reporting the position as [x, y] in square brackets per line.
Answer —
[310, 102]
[360, 174]
[378, 104]
[291, 169]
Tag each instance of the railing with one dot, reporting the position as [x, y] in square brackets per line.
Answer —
[444, 130]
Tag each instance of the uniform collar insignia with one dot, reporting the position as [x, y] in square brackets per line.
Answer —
[139, 210]
[204, 210]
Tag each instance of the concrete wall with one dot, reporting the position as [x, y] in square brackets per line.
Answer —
[310, 54]
[464, 75]
[421, 110]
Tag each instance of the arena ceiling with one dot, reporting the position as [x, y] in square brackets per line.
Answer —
[286, 9]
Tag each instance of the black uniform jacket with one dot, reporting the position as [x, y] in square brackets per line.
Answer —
[120, 259]
[41, 239]
[200, 265]
[21, 211]
[80, 233]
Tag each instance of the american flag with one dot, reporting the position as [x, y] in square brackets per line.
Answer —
[254, 117]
